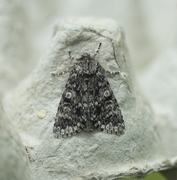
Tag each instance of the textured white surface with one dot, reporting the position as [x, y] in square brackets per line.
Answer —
[34, 104]
[150, 26]
[14, 164]
[14, 44]
[159, 85]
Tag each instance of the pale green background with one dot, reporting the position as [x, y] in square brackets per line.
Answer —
[154, 176]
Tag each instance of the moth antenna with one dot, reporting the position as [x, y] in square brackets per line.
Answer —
[97, 51]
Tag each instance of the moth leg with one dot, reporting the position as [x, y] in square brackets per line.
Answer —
[112, 74]
[67, 70]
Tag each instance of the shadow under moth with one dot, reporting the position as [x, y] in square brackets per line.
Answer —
[88, 101]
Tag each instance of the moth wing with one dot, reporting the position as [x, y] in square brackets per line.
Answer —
[107, 112]
[69, 115]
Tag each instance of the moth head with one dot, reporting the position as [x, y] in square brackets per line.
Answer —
[86, 64]
[85, 56]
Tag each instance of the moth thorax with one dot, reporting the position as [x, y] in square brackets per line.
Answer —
[89, 67]
[87, 64]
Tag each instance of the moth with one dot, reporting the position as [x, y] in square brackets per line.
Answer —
[88, 101]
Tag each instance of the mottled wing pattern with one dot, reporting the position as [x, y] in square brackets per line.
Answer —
[69, 115]
[108, 114]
